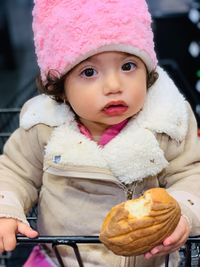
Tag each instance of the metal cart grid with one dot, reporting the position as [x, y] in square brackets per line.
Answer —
[9, 121]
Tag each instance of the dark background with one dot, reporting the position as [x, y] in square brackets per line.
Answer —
[175, 34]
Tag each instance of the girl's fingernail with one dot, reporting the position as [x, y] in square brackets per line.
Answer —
[155, 251]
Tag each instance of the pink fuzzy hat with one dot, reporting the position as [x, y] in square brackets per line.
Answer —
[67, 32]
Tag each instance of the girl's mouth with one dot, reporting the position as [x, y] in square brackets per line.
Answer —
[115, 108]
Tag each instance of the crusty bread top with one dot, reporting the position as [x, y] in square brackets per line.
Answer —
[136, 226]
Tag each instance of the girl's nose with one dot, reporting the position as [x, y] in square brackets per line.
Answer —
[112, 84]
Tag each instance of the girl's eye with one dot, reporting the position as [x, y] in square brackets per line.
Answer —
[89, 72]
[128, 66]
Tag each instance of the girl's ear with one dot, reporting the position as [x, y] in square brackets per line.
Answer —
[65, 100]
[151, 78]
[63, 97]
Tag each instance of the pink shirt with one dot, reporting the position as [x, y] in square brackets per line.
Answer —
[108, 134]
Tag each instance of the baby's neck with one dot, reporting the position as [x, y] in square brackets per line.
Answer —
[96, 138]
[96, 130]
[102, 137]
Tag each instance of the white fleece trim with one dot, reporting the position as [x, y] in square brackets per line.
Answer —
[132, 155]
[43, 109]
[165, 109]
[74, 148]
[168, 116]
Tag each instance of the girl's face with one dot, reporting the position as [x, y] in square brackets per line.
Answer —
[106, 89]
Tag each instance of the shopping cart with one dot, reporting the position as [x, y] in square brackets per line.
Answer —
[190, 253]
[9, 121]
[56, 241]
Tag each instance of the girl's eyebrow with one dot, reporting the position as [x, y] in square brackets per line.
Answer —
[81, 65]
[86, 61]
[94, 59]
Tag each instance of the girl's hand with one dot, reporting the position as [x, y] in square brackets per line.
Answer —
[8, 229]
[173, 242]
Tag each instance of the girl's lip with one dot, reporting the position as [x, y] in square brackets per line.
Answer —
[115, 108]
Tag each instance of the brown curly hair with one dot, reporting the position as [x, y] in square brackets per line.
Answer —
[54, 86]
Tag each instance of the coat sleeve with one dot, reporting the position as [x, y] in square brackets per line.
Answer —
[20, 173]
[182, 176]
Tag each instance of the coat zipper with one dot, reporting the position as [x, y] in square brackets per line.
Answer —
[129, 193]
[130, 190]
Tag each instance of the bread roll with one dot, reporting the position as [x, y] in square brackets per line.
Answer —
[138, 225]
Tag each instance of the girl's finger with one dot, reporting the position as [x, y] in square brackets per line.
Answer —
[9, 242]
[1, 246]
[148, 255]
[170, 241]
[26, 230]
[181, 232]
[157, 249]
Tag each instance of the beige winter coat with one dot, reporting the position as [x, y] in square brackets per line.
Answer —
[77, 181]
